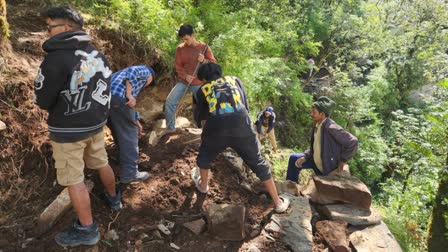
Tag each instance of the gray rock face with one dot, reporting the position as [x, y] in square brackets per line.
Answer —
[226, 222]
[234, 160]
[295, 226]
[347, 189]
[376, 238]
[350, 214]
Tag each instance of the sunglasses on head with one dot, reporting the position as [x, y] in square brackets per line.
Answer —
[49, 27]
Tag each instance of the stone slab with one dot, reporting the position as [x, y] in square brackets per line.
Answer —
[353, 215]
[294, 227]
[376, 238]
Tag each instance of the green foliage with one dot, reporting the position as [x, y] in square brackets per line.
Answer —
[414, 172]
[4, 27]
[279, 164]
[377, 52]
[399, 229]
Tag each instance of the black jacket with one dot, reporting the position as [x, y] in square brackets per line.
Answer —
[223, 104]
[73, 84]
[336, 145]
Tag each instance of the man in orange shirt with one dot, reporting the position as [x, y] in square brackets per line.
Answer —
[188, 54]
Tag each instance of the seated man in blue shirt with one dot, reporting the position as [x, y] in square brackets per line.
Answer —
[123, 119]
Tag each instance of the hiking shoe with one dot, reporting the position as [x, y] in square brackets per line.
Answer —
[285, 204]
[78, 235]
[140, 176]
[114, 202]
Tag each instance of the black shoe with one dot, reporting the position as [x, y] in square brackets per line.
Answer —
[114, 202]
[78, 235]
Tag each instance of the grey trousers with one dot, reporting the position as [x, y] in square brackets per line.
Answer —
[124, 129]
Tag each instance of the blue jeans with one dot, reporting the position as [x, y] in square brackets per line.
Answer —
[293, 172]
[173, 99]
[123, 126]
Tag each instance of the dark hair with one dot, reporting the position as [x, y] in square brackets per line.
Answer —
[153, 74]
[185, 30]
[64, 12]
[209, 72]
[320, 110]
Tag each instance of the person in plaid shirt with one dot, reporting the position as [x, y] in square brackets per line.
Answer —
[124, 120]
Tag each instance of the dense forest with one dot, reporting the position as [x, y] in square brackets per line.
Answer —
[385, 63]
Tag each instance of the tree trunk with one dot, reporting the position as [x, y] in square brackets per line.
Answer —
[437, 241]
[4, 28]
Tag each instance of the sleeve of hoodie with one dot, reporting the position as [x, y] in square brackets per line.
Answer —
[47, 85]
[348, 142]
[243, 93]
[271, 122]
[259, 121]
[201, 106]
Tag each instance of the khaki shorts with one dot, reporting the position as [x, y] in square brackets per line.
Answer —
[71, 157]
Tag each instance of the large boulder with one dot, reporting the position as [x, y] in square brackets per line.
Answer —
[310, 191]
[294, 227]
[344, 188]
[350, 214]
[226, 222]
[150, 104]
[376, 238]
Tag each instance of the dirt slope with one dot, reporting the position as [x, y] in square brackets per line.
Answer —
[27, 175]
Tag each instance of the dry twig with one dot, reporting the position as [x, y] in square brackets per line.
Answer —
[113, 220]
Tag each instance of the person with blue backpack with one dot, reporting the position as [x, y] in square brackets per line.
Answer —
[224, 116]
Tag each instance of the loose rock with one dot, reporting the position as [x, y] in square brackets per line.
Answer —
[226, 222]
[196, 226]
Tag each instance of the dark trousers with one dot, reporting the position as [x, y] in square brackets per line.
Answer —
[246, 147]
[124, 129]
[293, 172]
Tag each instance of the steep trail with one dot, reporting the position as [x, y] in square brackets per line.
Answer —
[28, 182]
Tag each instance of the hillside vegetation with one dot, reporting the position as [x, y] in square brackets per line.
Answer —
[387, 69]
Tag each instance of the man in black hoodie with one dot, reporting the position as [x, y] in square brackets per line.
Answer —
[73, 85]
[224, 115]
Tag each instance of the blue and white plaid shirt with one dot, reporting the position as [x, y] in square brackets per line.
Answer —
[137, 77]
